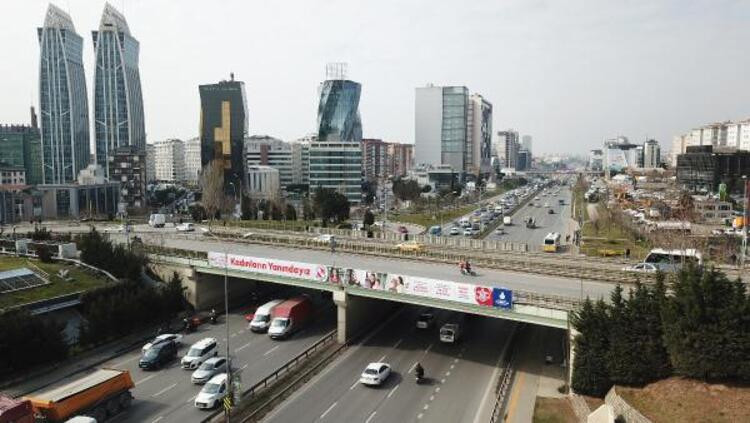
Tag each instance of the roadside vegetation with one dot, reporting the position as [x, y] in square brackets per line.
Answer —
[694, 327]
[553, 410]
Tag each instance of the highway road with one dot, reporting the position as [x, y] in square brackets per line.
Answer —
[545, 222]
[167, 395]
[551, 285]
[459, 376]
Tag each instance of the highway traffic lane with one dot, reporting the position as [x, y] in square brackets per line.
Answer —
[546, 222]
[552, 285]
[167, 394]
[458, 381]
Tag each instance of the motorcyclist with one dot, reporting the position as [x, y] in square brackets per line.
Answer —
[462, 266]
[467, 266]
[419, 371]
[212, 315]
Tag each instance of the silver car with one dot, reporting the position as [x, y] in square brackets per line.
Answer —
[208, 369]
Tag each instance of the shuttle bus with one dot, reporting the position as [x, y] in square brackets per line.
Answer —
[674, 260]
[551, 242]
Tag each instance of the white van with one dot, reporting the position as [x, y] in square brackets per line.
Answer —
[200, 352]
[157, 220]
[262, 317]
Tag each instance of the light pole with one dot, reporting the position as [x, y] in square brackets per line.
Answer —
[745, 223]
[226, 311]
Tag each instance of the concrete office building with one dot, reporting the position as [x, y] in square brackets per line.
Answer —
[596, 159]
[651, 154]
[479, 136]
[223, 125]
[21, 146]
[170, 160]
[374, 159]
[62, 99]
[12, 175]
[118, 103]
[336, 155]
[526, 141]
[192, 160]
[523, 160]
[262, 182]
[286, 157]
[703, 168]
[127, 165]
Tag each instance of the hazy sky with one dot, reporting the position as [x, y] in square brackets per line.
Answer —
[570, 73]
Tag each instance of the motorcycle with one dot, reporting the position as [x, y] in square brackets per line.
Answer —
[212, 318]
[419, 375]
[467, 271]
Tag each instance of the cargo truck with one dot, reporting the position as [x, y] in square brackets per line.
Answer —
[101, 395]
[290, 316]
[15, 411]
[450, 332]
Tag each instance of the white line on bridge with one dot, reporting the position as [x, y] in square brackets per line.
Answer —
[192, 398]
[157, 419]
[354, 385]
[165, 390]
[327, 410]
[370, 418]
[271, 350]
[398, 343]
[393, 390]
[123, 362]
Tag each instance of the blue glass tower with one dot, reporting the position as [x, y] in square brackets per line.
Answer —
[118, 103]
[338, 111]
[63, 103]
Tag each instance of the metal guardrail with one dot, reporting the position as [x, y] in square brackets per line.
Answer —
[50, 304]
[506, 380]
[276, 374]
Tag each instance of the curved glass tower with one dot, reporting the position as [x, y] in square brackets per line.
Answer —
[64, 112]
[118, 104]
[338, 111]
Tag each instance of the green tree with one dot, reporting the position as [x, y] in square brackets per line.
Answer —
[406, 190]
[276, 213]
[368, 219]
[308, 212]
[330, 205]
[290, 213]
[590, 375]
[706, 328]
[249, 208]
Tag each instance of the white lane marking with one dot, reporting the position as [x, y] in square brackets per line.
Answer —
[241, 331]
[123, 362]
[398, 343]
[244, 366]
[370, 418]
[437, 389]
[426, 406]
[233, 335]
[236, 350]
[192, 398]
[327, 410]
[354, 385]
[165, 390]
[157, 419]
[442, 380]
[271, 350]
[382, 359]
[455, 360]
[144, 379]
[447, 374]
[411, 369]
[393, 390]
[452, 366]
[420, 415]
[432, 397]
[428, 349]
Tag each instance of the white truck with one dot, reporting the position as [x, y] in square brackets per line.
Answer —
[507, 221]
[450, 332]
[157, 220]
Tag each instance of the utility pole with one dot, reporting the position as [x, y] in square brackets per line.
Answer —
[746, 223]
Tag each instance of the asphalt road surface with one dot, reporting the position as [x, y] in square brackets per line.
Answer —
[545, 222]
[551, 285]
[167, 395]
[458, 376]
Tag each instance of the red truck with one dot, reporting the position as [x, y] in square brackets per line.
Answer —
[290, 316]
[15, 411]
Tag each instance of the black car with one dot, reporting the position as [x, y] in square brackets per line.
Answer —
[158, 355]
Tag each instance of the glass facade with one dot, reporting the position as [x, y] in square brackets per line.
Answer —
[62, 99]
[453, 138]
[21, 146]
[118, 103]
[338, 111]
[337, 166]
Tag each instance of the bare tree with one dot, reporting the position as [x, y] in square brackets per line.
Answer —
[212, 185]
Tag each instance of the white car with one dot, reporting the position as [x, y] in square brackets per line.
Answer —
[324, 239]
[375, 374]
[209, 369]
[177, 338]
[185, 227]
[500, 231]
[212, 393]
[455, 231]
[200, 352]
[468, 232]
[641, 268]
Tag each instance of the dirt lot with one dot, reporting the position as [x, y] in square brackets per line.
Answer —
[553, 410]
[681, 400]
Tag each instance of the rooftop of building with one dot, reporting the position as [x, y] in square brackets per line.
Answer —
[58, 18]
[113, 20]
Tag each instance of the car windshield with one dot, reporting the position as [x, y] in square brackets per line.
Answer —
[261, 318]
[206, 366]
[371, 371]
[211, 388]
[194, 352]
[280, 323]
[150, 354]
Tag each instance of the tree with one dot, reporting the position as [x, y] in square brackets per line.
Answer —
[406, 190]
[706, 329]
[214, 199]
[308, 212]
[276, 211]
[330, 205]
[290, 213]
[369, 188]
[368, 219]
[249, 208]
[197, 212]
[590, 376]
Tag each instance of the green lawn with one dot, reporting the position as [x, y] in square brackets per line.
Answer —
[285, 225]
[431, 218]
[553, 410]
[81, 281]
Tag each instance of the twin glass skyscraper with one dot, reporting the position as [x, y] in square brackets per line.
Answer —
[64, 117]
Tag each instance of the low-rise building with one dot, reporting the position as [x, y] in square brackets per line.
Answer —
[703, 168]
[262, 182]
[709, 209]
[75, 201]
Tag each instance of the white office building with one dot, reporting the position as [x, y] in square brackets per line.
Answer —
[526, 141]
[192, 160]
[262, 182]
[170, 160]
[286, 157]
[507, 147]
[651, 154]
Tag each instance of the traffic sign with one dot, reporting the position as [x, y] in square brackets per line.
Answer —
[502, 298]
[228, 402]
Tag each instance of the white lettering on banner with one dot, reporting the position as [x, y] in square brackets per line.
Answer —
[270, 266]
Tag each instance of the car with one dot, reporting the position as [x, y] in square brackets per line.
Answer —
[209, 369]
[425, 320]
[641, 268]
[410, 247]
[200, 352]
[550, 211]
[213, 392]
[717, 232]
[375, 374]
[531, 204]
[158, 355]
[468, 232]
[500, 231]
[546, 205]
[324, 238]
[176, 338]
[455, 231]
[185, 227]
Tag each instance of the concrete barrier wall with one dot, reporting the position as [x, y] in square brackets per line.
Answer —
[356, 314]
[580, 407]
[620, 407]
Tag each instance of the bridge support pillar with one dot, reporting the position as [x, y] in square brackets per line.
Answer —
[356, 314]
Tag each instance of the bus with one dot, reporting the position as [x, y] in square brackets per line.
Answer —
[551, 242]
[673, 260]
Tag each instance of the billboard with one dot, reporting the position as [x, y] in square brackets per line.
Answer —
[268, 266]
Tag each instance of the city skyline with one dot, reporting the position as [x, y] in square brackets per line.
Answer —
[569, 75]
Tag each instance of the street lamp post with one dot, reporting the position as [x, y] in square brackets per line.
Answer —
[746, 222]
